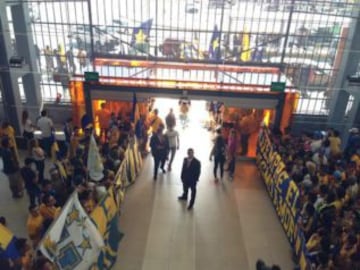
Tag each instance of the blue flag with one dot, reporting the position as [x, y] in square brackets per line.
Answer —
[141, 34]
[214, 48]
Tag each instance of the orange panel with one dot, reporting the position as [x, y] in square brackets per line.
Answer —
[184, 66]
[77, 100]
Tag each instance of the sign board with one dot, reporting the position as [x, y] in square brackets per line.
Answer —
[277, 86]
[91, 76]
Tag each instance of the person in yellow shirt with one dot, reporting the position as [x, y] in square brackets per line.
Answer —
[48, 210]
[335, 143]
[8, 131]
[155, 121]
[103, 119]
[356, 158]
[34, 225]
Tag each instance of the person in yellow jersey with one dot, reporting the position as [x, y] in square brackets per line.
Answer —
[155, 121]
[103, 118]
[48, 210]
[335, 143]
[34, 225]
[8, 131]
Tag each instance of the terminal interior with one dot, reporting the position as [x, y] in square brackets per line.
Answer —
[86, 87]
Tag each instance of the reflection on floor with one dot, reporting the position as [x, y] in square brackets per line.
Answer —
[231, 226]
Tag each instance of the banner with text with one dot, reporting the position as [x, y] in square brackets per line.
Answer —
[283, 192]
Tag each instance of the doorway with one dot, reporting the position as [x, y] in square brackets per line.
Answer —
[202, 119]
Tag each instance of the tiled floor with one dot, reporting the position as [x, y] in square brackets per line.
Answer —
[231, 226]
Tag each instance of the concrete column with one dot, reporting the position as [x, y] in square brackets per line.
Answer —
[25, 47]
[348, 66]
[353, 118]
[9, 85]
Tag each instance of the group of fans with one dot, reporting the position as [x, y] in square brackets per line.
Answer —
[68, 172]
[328, 180]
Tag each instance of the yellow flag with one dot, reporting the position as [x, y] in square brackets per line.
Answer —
[5, 237]
[245, 47]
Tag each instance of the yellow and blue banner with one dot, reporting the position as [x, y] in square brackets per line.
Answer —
[245, 47]
[284, 193]
[7, 244]
[214, 48]
[73, 241]
[141, 34]
[106, 218]
[131, 170]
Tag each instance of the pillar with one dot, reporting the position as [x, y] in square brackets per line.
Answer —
[353, 117]
[25, 47]
[347, 66]
[9, 85]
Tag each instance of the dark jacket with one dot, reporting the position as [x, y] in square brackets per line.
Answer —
[191, 174]
[159, 148]
[10, 164]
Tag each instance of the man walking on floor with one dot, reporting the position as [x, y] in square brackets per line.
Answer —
[190, 173]
[174, 144]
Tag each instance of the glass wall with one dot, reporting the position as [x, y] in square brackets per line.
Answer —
[305, 38]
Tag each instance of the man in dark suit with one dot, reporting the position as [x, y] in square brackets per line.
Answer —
[189, 176]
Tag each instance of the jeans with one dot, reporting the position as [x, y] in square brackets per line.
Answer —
[172, 155]
[159, 160]
[46, 145]
[34, 196]
[16, 184]
[40, 167]
[219, 161]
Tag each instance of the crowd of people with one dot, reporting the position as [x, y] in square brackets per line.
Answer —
[328, 180]
[68, 172]
[327, 177]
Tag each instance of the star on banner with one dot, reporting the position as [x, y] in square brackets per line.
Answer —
[85, 244]
[215, 44]
[50, 245]
[72, 216]
[140, 37]
[82, 222]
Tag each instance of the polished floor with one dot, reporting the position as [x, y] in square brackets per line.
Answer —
[232, 224]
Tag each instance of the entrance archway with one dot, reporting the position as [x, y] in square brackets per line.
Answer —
[273, 107]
